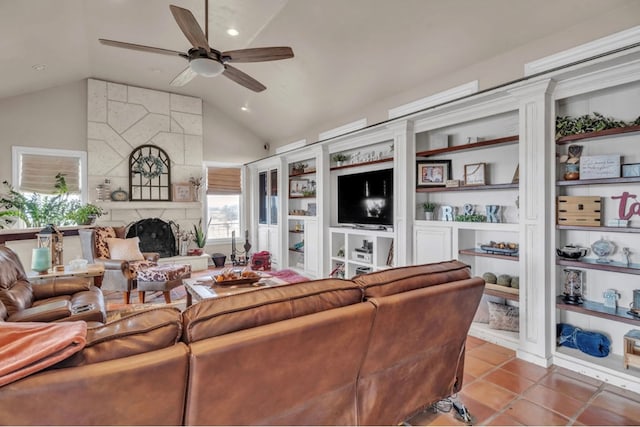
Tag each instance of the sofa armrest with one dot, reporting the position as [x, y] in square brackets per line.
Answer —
[114, 264]
[151, 256]
[60, 286]
[48, 312]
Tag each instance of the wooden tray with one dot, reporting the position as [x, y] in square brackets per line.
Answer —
[235, 282]
[501, 288]
[500, 251]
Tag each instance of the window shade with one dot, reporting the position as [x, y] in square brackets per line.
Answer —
[38, 173]
[223, 181]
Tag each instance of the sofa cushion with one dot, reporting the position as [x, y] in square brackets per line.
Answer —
[3, 312]
[18, 297]
[218, 316]
[125, 249]
[139, 332]
[403, 279]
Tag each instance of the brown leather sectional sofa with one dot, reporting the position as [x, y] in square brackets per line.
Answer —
[374, 350]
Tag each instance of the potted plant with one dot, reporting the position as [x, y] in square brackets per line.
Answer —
[38, 210]
[298, 168]
[340, 158]
[200, 237]
[429, 209]
[85, 214]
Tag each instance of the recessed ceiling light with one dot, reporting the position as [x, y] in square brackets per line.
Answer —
[39, 67]
[244, 108]
[232, 32]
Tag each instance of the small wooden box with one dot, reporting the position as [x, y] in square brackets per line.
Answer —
[579, 210]
[631, 351]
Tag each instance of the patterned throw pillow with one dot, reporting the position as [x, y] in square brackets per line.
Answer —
[504, 317]
[101, 236]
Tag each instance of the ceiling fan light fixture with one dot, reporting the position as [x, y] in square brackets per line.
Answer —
[206, 67]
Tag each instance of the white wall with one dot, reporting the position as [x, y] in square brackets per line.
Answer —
[490, 72]
[57, 118]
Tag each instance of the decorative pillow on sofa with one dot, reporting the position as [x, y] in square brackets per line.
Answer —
[505, 317]
[125, 249]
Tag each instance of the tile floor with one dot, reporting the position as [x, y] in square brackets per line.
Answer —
[501, 390]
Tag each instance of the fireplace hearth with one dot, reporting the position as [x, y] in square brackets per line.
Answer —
[155, 235]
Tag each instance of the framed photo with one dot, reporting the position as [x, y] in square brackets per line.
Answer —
[630, 170]
[433, 173]
[516, 175]
[297, 187]
[474, 174]
[183, 192]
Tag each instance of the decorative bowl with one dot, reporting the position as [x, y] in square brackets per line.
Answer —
[572, 252]
[603, 248]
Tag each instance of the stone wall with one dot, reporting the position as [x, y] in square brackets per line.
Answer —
[122, 117]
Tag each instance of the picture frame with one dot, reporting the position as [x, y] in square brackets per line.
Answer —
[630, 170]
[433, 173]
[297, 187]
[475, 174]
[182, 192]
[516, 175]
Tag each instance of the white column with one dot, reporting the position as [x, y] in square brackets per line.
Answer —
[537, 149]
[404, 190]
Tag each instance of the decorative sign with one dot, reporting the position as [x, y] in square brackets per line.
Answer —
[595, 167]
[492, 213]
[447, 213]
[634, 208]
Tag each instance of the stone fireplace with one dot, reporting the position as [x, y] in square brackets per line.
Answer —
[155, 235]
[122, 117]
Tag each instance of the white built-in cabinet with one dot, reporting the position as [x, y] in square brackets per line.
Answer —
[511, 130]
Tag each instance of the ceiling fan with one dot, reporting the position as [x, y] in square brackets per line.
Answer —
[205, 60]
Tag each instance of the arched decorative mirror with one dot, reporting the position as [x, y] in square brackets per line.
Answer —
[150, 174]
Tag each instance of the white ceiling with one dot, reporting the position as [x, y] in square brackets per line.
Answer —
[348, 53]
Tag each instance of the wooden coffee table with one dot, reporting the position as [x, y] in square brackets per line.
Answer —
[201, 288]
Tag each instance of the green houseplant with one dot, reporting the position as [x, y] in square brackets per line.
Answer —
[200, 234]
[85, 214]
[39, 210]
[429, 209]
[339, 158]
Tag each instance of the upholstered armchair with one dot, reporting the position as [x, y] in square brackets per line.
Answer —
[120, 271]
[51, 300]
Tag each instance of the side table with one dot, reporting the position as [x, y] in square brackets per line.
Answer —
[94, 271]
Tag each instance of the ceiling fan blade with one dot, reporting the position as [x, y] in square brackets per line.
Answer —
[259, 54]
[190, 27]
[142, 48]
[184, 77]
[243, 79]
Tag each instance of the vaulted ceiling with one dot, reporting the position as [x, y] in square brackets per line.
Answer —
[348, 53]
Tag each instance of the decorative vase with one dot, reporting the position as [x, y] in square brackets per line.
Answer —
[184, 247]
[41, 260]
[571, 171]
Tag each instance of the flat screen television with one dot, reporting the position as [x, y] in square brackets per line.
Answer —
[366, 198]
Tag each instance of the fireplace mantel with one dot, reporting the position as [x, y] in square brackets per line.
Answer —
[148, 205]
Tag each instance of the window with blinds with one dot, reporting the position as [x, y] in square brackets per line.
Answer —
[38, 173]
[35, 170]
[223, 181]
[224, 199]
